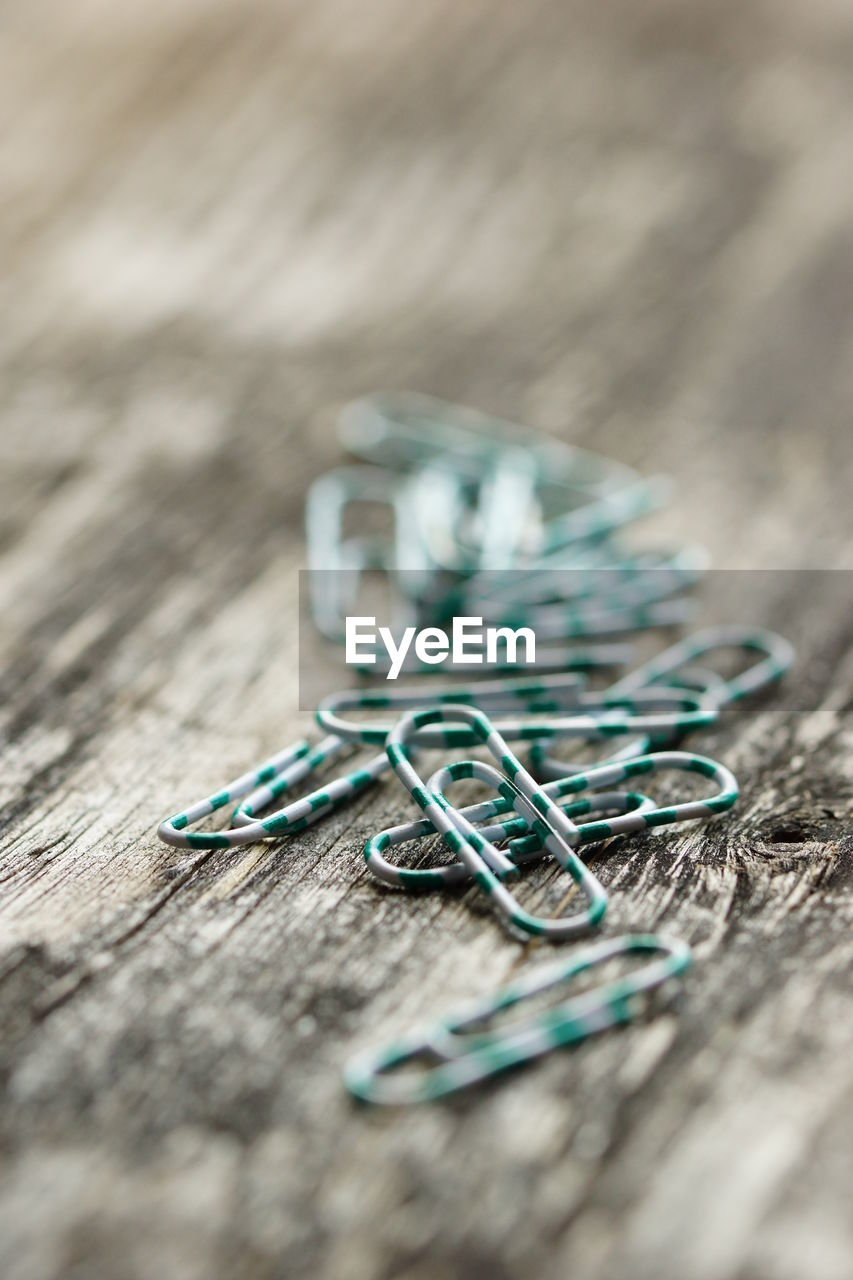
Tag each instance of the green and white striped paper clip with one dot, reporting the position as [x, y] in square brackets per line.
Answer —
[259, 787]
[457, 1051]
[677, 667]
[488, 865]
[574, 713]
[523, 847]
[635, 812]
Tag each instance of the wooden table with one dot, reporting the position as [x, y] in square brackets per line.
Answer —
[627, 224]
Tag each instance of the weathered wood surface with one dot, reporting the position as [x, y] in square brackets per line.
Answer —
[630, 224]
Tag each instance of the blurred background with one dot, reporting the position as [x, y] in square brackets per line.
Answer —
[631, 225]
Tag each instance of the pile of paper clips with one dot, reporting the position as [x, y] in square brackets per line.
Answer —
[492, 519]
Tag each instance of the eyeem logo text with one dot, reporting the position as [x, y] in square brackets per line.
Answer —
[469, 643]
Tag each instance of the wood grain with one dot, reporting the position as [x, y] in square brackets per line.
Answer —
[629, 225]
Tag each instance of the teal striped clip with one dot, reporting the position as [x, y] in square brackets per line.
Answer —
[455, 1052]
[487, 864]
[527, 840]
[259, 787]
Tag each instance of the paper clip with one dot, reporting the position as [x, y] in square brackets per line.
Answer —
[677, 667]
[640, 812]
[648, 710]
[487, 864]
[336, 565]
[403, 430]
[260, 786]
[777, 657]
[514, 829]
[640, 818]
[456, 1052]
